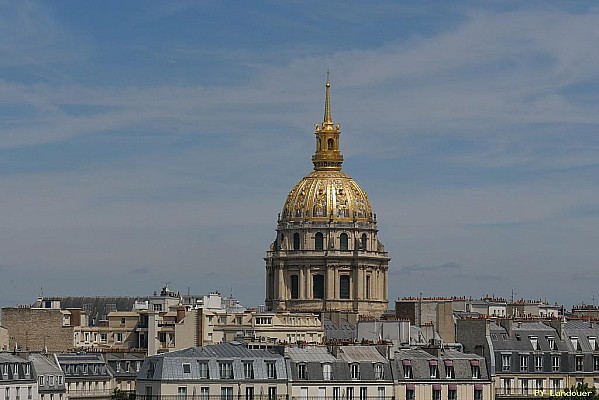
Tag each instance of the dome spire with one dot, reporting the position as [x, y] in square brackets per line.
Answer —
[327, 155]
[328, 120]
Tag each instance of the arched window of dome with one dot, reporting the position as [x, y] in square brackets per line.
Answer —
[282, 243]
[364, 242]
[296, 241]
[318, 287]
[343, 241]
[318, 242]
[294, 287]
[330, 144]
[344, 286]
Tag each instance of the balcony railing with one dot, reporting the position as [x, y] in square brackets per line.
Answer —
[90, 394]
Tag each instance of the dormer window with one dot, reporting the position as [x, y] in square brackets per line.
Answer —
[449, 371]
[326, 372]
[475, 369]
[534, 342]
[301, 371]
[407, 369]
[593, 343]
[433, 366]
[551, 342]
[186, 368]
[355, 371]
[378, 371]
[575, 343]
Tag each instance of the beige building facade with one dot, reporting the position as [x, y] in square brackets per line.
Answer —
[327, 255]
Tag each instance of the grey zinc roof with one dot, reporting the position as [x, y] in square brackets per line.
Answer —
[420, 364]
[43, 365]
[354, 354]
[309, 354]
[170, 366]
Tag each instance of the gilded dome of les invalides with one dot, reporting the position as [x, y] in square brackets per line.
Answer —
[327, 194]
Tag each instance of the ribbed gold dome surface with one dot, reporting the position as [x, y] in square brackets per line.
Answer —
[327, 195]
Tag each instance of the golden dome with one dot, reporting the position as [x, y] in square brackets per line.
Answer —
[327, 193]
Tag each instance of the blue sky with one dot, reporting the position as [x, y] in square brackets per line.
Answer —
[150, 142]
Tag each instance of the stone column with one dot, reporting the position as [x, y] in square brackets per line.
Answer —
[282, 290]
[301, 283]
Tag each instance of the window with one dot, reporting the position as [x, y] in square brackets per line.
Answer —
[551, 342]
[249, 393]
[336, 391]
[433, 369]
[364, 242]
[7, 393]
[524, 386]
[226, 370]
[555, 363]
[51, 380]
[318, 286]
[27, 369]
[538, 363]
[534, 342]
[595, 363]
[248, 370]
[344, 242]
[538, 384]
[41, 380]
[478, 394]
[118, 336]
[524, 363]
[452, 394]
[380, 393]
[60, 380]
[407, 372]
[103, 337]
[506, 385]
[29, 392]
[349, 393]
[203, 370]
[272, 393]
[363, 393]
[410, 395]
[378, 371]
[355, 371]
[301, 371]
[475, 369]
[18, 393]
[578, 363]
[271, 370]
[367, 286]
[593, 343]
[294, 287]
[330, 144]
[182, 392]
[436, 394]
[318, 242]
[344, 286]
[326, 372]
[157, 307]
[226, 393]
[449, 371]
[556, 384]
[204, 393]
[506, 362]
[187, 368]
[296, 241]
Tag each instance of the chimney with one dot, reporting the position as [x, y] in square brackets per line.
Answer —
[180, 313]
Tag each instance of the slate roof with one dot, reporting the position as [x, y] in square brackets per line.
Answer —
[172, 366]
[420, 362]
[313, 359]
[356, 354]
[87, 366]
[99, 307]
[343, 331]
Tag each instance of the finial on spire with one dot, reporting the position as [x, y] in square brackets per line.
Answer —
[328, 120]
[327, 156]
